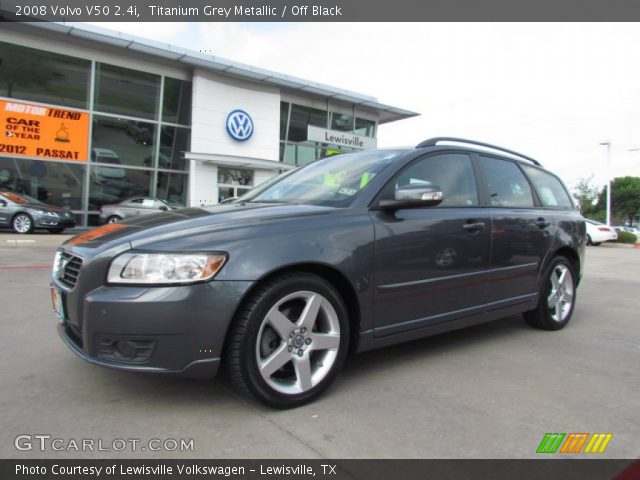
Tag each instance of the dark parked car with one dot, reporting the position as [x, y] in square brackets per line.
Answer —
[349, 253]
[135, 207]
[24, 214]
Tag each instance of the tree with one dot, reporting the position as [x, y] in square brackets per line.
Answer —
[625, 197]
[586, 194]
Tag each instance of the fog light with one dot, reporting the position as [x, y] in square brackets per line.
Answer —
[126, 348]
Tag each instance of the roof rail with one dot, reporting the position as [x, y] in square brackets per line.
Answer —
[432, 142]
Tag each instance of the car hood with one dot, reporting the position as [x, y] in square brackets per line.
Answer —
[46, 208]
[186, 222]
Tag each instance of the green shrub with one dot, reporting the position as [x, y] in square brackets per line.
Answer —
[626, 237]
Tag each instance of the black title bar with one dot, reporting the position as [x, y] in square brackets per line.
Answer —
[318, 10]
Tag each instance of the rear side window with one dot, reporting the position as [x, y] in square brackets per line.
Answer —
[550, 190]
[507, 185]
[452, 172]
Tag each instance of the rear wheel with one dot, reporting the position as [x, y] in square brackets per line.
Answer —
[289, 340]
[557, 296]
[22, 223]
[590, 242]
[113, 219]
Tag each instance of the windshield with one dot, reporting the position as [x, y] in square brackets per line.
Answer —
[333, 181]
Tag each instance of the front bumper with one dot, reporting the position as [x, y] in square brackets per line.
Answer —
[170, 330]
[54, 222]
[204, 368]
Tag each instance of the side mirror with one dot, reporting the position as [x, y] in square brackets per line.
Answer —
[163, 208]
[414, 196]
[3, 203]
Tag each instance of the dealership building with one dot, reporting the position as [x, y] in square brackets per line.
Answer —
[91, 117]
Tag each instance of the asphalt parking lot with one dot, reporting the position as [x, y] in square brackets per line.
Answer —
[491, 391]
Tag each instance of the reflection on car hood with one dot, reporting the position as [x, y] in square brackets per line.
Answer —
[191, 221]
[45, 207]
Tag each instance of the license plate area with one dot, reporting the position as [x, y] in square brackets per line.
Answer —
[58, 306]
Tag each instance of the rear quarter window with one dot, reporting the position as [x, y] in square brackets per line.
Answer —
[550, 190]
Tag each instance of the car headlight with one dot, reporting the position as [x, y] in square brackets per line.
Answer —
[51, 214]
[164, 268]
[45, 212]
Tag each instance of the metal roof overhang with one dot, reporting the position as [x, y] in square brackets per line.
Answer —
[387, 113]
[243, 162]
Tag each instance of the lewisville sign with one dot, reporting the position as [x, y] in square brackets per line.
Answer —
[343, 139]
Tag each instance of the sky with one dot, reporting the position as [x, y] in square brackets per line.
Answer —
[553, 91]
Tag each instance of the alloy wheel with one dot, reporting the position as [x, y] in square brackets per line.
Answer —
[22, 223]
[298, 342]
[561, 291]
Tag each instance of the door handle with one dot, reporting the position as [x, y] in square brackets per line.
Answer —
[542, 223]
[472, 226]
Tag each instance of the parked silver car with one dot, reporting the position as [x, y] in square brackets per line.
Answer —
[133, 207]
[24, 214]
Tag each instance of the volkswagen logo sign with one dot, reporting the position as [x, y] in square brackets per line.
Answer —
[239, 125]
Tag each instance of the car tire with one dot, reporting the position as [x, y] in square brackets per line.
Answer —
[56, 230]
[289, 340]
[113, 219]
[557, 296]
[22, 223]
[590, 242]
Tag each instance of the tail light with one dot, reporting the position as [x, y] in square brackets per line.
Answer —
[604, 229]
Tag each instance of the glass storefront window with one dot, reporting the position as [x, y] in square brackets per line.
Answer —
[120, 141]
[174, 142]
[301, 154]
[126, 92]
[113, 184]
[301, 117]
[56, 183]
[341, 122]
[39, 76]
[172, 187]
[176, 105]
[235, 176]
[365, 127]
[284, 118]
[225, 192]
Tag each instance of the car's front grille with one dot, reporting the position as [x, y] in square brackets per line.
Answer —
[71, 271]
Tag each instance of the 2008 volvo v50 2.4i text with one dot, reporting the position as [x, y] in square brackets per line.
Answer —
[349, 253]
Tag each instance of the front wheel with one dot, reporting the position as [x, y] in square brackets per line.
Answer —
[22, 223]
[113, 219]
[557, 296]
[289, 340]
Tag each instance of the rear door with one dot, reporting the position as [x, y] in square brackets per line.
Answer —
[521, 233]
[132, 208]
[430, 263]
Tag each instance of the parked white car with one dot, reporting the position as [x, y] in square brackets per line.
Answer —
[100, 174]
[598, 232]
